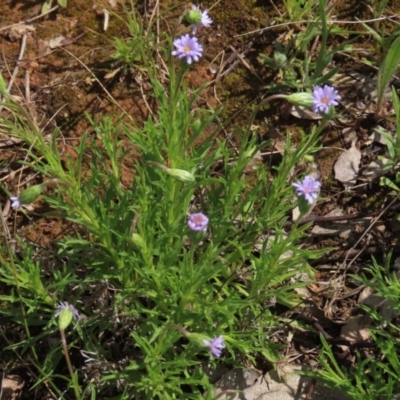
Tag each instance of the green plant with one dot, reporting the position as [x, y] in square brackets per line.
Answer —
[378, 7]
[164, 274]
[374, 377]
[393, 147]
[126, 52]
[300, 9]
[386, 70]
[172, 288]
[382, 40]
[297, 67]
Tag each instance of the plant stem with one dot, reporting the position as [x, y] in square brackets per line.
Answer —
[272, 97]
[71, 372]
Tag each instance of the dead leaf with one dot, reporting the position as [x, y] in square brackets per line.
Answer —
[56, 42]
[375, 169]
[364, 84]
[347, 166]
[111, 74]
[17, 31]
[356, 330]
[349, 134]
[304, 113]
[12, 386]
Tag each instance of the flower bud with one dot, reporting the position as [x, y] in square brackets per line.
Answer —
[301, 99]
[304, 205]
[180, 174]
[138, 241]
[280, 59]
[65, 318]
[193, 16]
[30, 194]
[196, 126]
[197, 338]
[309, 158]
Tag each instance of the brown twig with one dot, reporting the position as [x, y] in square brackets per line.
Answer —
[343, 254]
[360, 215]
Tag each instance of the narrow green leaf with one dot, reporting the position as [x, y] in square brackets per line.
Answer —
[387, 182]
[322, 61]
[3, 86]
[373, 32]
[396, 106]
[62, 3]
[387, 69]
[325, 78]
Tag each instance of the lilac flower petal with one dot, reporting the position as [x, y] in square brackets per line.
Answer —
[65, 305]
[215, 345]
[198, 222]
[16, 203]
[206, 21]
[324, 98]
[308, 188]
[187, 47]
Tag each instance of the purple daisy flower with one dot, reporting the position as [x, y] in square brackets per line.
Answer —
[188, 47]
[16, 203]
[65, 305]
[308, 188]
[215, 345]
[203, 16]
[324, 97]
[198, 222]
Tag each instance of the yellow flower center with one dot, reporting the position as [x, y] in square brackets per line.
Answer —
[186, 49]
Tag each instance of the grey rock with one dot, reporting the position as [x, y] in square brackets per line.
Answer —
[250, 384]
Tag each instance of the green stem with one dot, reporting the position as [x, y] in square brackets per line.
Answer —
[174, 134]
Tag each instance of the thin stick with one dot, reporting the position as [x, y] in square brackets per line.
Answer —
[27, 87]
[15, 72]
[308, 21]
[369, 228]
[16, 69]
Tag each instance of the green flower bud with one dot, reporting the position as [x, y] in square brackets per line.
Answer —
[196, 126]
[65, 318]
[180, 174]
[197, 338]
[302, 99]
[280, 59]
[138, 241]
[304, 205]
[65, 312]
[309, 158]
[193, 17]
[30, 194]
